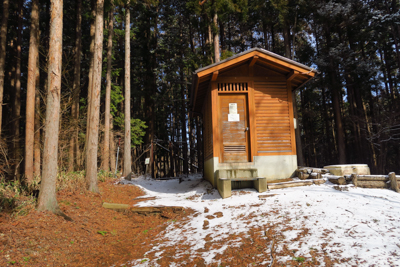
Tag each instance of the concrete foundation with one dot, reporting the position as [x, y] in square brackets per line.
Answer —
[228, 176]
[270, 167]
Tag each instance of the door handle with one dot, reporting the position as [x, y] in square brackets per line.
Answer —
[247, 128]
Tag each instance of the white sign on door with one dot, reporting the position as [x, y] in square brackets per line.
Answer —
[233, 117]
[232, 108]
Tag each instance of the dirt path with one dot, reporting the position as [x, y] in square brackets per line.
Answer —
[95, 237]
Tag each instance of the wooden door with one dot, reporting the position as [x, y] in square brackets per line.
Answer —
[234, 128]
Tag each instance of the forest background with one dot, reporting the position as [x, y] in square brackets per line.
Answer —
[127, 67]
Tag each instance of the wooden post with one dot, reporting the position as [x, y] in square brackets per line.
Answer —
[156, 161]
[171, 160]
[152, 159]
[393, 182]
[200, 147]
[354, 179]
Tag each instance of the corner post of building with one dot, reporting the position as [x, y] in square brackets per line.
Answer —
[215, 126]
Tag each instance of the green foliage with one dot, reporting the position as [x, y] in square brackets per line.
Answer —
[137, 131]
[103, 233]
[103, 175]
[225, 54]
[299, 259]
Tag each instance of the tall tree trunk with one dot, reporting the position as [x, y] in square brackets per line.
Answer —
[338, 121]
[336, 99]
[106, 149]
[17, 96]
[30, 94]
[127, 136]
[94, 112]
[286, 41]
[76, 89]
[209, 41]
[216, 38]
[91, 66]
[112, 147]
[3, 43]
[37, 157]
[222, 36]
[299, 147]
[272, 38]
[47, 197]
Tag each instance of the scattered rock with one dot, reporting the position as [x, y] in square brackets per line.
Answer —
[128, 177]
[208, 238]
[210, 217]
[206, 224]
[218, 214]
[265, 196]
[206, 210]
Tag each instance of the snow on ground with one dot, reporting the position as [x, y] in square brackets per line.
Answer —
[359, 225]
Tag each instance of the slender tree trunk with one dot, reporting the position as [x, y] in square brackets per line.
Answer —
[30, 94]
[222, 36]
[339, 124]
[127, 141]
[17, 96]
[47, 197]
[272, 37]
[106, 149]
[91, 66]
[336, 95]
[112, 147]
[37, 157]
[183, 121]
[216, 38]
[94, 112]
[209, 41]
[3, 43]
[286, 41]
[76, 89]
[299, 147]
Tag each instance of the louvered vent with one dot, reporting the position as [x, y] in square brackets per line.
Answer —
[235, 149]
[232, 87]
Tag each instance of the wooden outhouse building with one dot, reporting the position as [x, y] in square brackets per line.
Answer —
[247, 109]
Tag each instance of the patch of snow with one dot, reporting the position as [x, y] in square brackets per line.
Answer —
[361, 225]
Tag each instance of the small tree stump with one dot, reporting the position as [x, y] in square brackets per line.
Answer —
[393, 182]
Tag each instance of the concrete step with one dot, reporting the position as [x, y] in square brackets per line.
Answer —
[237, 174]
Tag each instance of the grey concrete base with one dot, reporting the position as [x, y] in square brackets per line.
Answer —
[237, 173]
[224, 187]
[209, 171]
[348, 169]
[260, 184]
[270, 167]
[276, 167]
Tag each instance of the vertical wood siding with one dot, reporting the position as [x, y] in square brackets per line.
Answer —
[273, 118]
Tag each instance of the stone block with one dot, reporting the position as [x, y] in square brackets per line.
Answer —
[224, 187]
[260, 184]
